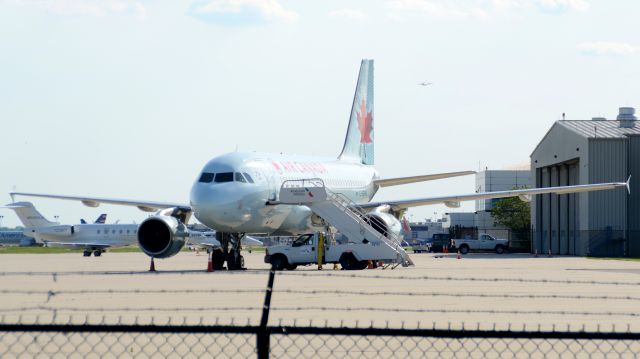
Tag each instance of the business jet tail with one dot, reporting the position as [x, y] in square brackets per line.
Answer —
[28, 215]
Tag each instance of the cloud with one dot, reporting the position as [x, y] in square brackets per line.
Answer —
[89, 7]
[349, 14]
[480, 9]
[608, 49]
[561, 6]
[438, 8]
[241, 12]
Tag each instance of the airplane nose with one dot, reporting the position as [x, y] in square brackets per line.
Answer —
[222, 206]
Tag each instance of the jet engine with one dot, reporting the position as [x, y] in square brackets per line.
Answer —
[385, 223]
[162, 236]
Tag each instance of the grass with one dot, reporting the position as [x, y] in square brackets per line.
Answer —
[616, 259]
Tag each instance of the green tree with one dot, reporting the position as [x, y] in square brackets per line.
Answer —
[512, 213]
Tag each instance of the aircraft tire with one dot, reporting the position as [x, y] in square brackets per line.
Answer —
[86, 254]
[97, 253]
[217, 259]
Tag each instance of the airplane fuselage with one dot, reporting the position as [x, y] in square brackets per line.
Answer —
[235, 202]
[113, 235]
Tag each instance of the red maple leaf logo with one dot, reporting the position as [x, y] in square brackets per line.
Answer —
[365, 123]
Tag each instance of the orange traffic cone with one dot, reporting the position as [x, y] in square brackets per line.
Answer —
[210, 262]
[458, 256]
[370, 265]
[152, 268]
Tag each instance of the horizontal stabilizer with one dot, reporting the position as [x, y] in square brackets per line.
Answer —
[413, 179]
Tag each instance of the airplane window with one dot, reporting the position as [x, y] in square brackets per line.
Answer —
[121, 231]
[127, 231]
[240, 178]
[249, 179]
[98, 231]
[113, 231]
[224, 177]
[206, 177]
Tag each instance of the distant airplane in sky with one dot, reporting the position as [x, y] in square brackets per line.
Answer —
[425, 83]
[238, 193]
[92, 238]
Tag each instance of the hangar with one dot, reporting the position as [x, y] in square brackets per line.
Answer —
[605, 223]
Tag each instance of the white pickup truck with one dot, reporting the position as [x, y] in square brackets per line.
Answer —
[484, 242]
[350, 255]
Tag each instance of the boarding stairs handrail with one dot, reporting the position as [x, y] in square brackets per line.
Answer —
[356, 213]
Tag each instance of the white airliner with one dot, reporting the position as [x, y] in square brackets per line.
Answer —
[92, 238]
[237, 193]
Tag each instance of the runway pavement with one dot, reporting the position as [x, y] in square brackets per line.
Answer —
[478, 290]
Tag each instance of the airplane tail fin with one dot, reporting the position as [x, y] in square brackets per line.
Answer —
[102, 219]
[28, 214]
[358, 144]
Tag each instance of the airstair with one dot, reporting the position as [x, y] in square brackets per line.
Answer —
[341, 213]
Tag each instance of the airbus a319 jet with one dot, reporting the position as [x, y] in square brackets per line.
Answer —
[236, 194]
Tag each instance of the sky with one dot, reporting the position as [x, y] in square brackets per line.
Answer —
[129, 99]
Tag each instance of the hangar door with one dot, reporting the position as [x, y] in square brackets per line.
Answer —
[557, 215]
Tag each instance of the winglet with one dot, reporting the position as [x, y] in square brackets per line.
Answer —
[628, 184]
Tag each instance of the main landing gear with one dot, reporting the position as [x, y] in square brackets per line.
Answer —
[230, 251]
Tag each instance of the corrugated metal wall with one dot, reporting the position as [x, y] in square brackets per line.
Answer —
[607, 209]
[607, 163]
[633, 200]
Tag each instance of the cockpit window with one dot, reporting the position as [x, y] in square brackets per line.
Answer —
[206, 177]
[240, 178]
[224, 177]
[246, 175]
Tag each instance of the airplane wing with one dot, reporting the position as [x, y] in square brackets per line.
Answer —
[146, 206]
[413, 179]
[524, 194]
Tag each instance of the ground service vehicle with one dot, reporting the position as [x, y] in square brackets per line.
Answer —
[440, 241]
[484, 242]
[311, 249]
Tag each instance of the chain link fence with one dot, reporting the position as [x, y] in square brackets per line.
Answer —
[106, 341]
[42, 328]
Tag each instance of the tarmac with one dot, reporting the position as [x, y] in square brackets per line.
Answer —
[511, 291]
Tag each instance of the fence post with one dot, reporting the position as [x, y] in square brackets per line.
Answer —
[263, 333]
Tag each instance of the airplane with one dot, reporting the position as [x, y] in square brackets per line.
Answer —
[237, 193]
[92, 238]
[102, 219]
[425, 83]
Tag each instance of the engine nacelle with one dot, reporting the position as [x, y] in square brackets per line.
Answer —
[385, 223]
[162, 236]
[57, 231]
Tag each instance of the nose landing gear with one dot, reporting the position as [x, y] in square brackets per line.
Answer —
[235, 261]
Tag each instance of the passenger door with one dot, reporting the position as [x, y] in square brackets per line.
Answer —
[486, 242]
[304, 249]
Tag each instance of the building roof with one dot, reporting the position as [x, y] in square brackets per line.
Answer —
[600, 129]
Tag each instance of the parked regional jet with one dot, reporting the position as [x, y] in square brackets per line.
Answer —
[92, 238]
[237, 193]
[102, 219]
